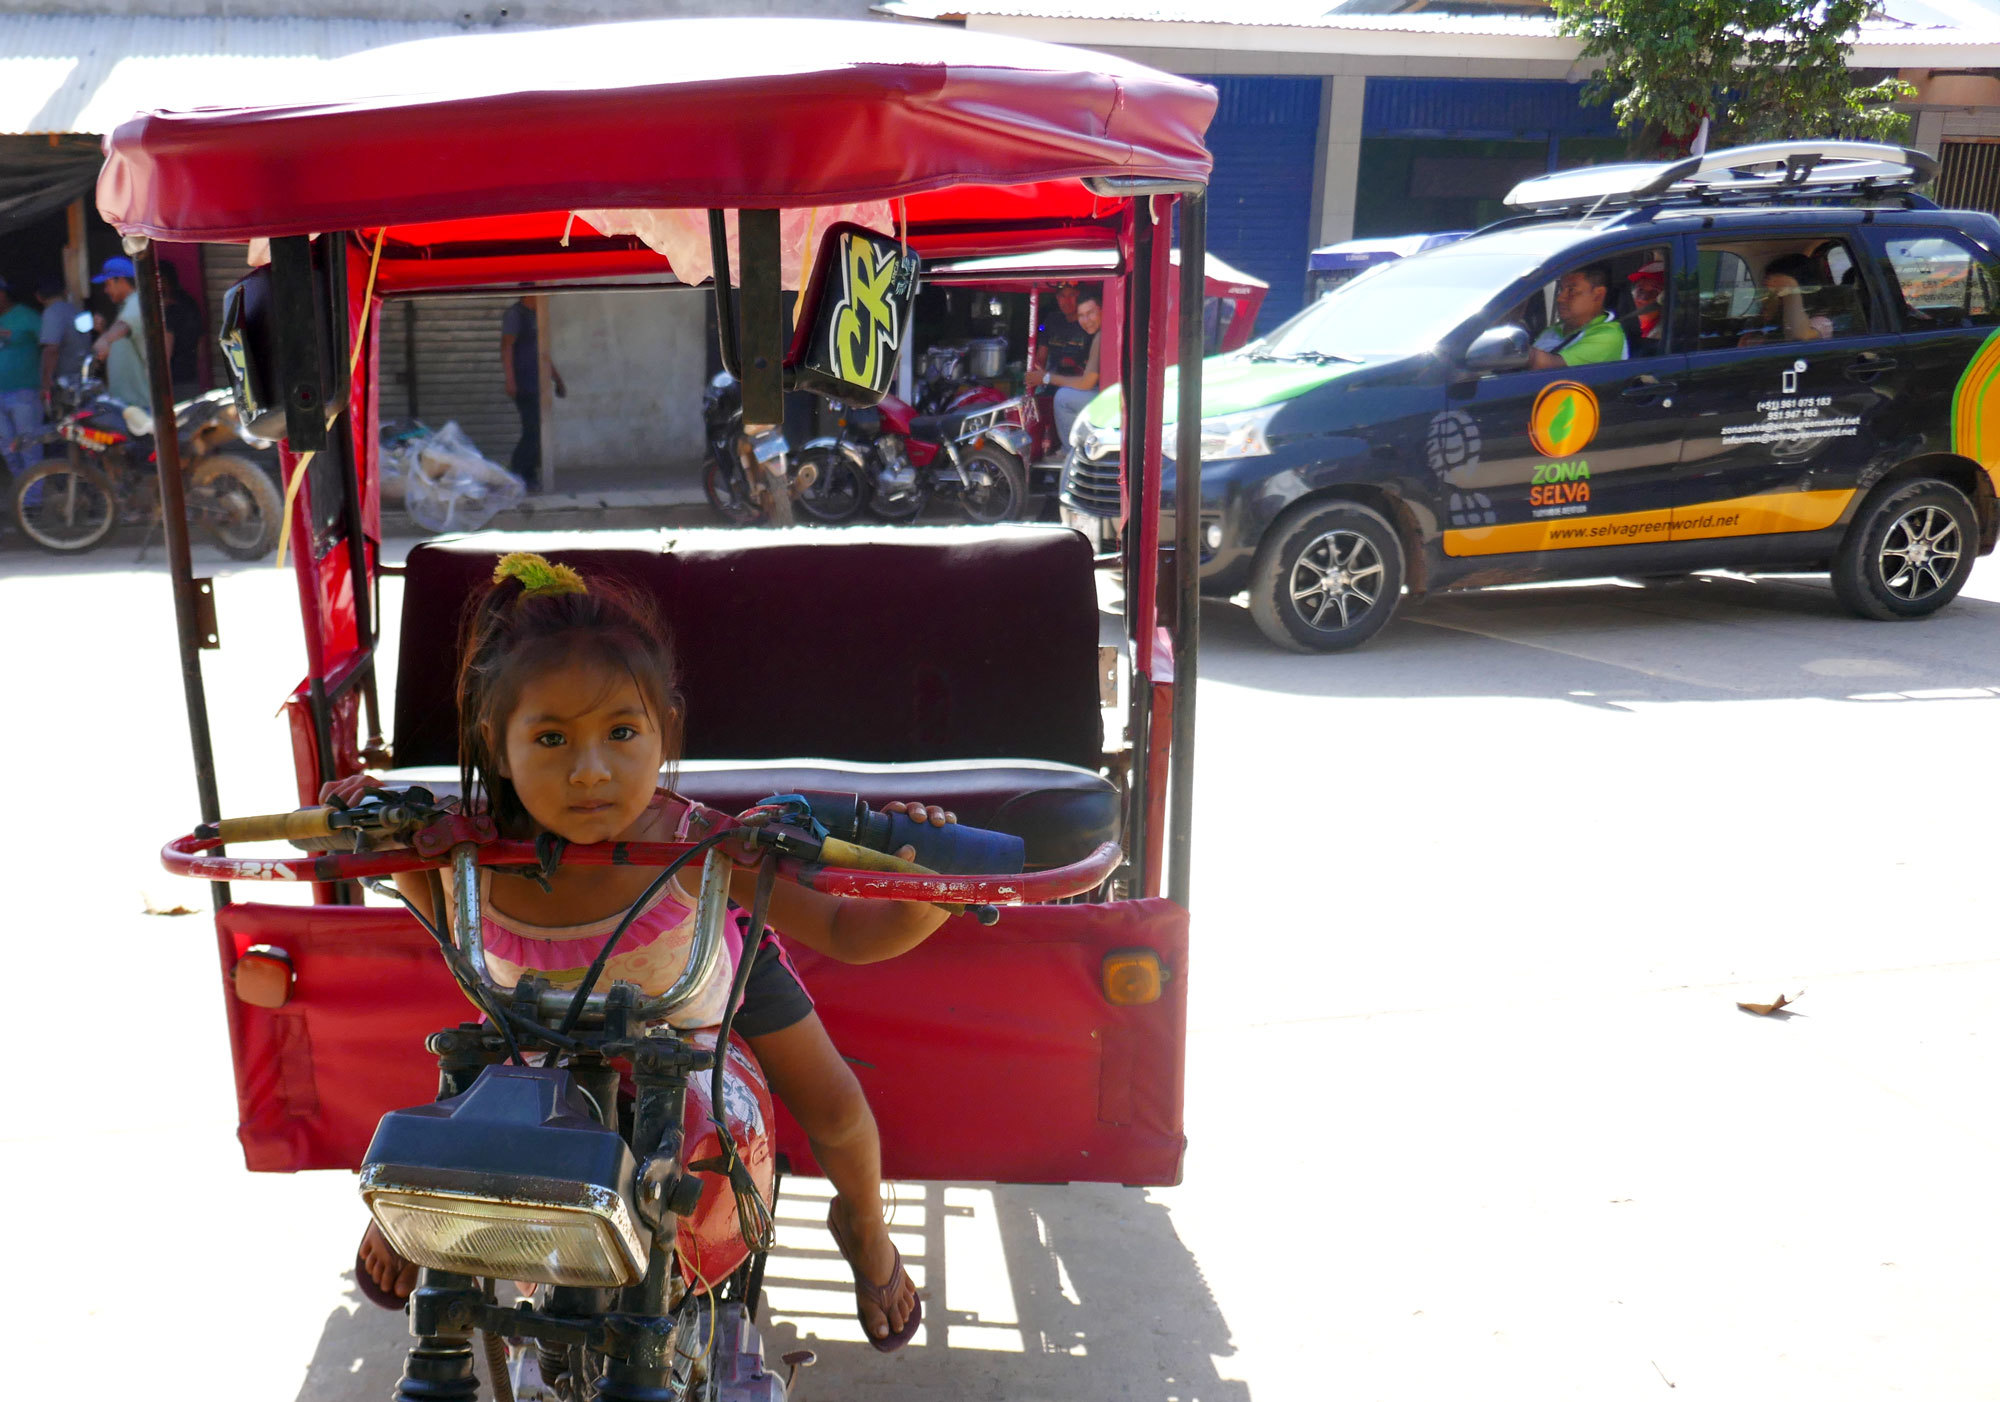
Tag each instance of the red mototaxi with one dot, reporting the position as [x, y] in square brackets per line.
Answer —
[453, 166]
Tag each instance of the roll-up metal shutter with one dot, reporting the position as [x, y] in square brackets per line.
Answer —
[1265, 138]
[458, 371]
[1969, 176]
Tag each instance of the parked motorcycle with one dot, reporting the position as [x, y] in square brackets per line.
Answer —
[903, 458]
[106, 476]
[639, 1222]
[746, 477]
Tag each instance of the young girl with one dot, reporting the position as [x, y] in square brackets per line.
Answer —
[568, 712]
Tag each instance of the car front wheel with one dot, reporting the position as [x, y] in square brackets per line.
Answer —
[1908, 552]
[1327, 578]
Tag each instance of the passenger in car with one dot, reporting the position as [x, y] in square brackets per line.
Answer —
[1787, 278]
[1584, 333]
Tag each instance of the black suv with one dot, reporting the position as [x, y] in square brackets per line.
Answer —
[1773, 358]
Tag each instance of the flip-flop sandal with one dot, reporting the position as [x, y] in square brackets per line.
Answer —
[879, 1294]
[375, 1293]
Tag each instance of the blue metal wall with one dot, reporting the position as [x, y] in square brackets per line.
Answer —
[1481, 109]
[1264, 138]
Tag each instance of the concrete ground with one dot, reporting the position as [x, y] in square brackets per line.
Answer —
[1471, 1109]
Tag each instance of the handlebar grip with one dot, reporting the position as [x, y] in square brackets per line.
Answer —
[278, 827]
[838, 853]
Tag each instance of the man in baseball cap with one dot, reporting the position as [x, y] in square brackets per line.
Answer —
[1649, 291]
[122, 347]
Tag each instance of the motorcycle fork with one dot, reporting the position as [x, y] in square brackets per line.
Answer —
[651, 1367]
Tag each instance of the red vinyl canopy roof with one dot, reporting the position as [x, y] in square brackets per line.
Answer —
[465, 134]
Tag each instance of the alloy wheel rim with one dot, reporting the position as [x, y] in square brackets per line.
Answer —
[1339, 575]
[1920, 553]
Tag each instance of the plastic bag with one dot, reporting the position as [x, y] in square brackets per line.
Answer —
[449, 486]
[396, 455]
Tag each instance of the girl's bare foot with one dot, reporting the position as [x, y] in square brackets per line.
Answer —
[390, 1272]
[864, 1241]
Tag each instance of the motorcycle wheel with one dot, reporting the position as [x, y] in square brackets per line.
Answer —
[724, 493]
[839, 491]
[999, 486]
[902, 508]
[236, 506]
[66, 506]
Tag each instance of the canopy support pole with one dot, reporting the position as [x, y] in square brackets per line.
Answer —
[1187, 548]
[174, 523]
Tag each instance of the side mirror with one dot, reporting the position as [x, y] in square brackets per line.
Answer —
[85, 323]
[1498, 348]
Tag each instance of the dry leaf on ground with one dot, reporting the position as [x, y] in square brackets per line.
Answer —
[1766, 1009]
[152, 909]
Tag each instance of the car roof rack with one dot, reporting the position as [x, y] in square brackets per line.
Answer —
[1819, 171]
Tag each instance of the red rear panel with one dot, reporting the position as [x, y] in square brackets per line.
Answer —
[986, 1053]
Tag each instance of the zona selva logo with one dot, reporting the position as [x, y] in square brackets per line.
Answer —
[1563, 420]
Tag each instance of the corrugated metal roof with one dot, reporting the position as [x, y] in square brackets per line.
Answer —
[87, 73]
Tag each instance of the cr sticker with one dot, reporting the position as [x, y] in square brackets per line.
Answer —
[1563, 419]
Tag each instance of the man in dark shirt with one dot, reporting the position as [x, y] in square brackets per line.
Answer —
[183, 322]
[521, 355]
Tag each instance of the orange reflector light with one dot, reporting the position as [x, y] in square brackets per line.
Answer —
[1132, 976]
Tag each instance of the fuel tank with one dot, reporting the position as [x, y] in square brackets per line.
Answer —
[711, 1242]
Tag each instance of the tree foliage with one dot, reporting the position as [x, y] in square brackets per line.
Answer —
[1759, 70]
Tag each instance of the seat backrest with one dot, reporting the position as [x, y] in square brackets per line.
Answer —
[886, 645]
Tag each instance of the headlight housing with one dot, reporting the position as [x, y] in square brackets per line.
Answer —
[1236, 435]
[513, 1180]
[1089, 441]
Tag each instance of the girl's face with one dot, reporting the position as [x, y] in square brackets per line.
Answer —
[584, 752]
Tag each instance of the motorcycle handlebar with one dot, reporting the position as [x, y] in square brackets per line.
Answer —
[886, 879]
[303, 825]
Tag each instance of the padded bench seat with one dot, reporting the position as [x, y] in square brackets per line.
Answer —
[1060, 811]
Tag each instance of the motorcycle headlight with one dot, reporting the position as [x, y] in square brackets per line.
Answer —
[1235, 435]
[513, 1180]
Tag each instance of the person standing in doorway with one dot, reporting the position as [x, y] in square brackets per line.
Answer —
[20, 378]
[183, 334]
[122, 347]
[63, 346]
[521, 357]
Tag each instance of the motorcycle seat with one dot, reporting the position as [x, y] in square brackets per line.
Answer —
[940, 428]
[1060, 811]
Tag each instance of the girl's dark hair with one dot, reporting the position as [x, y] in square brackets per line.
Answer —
[511, 633]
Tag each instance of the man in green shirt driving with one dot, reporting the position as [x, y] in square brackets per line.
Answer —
[1584, 332]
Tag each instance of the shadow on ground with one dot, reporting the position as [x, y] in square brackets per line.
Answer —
[1029, 1294]
[1705, 638]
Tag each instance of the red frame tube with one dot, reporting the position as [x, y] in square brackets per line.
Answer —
[190, 856]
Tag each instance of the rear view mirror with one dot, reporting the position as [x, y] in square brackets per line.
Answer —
[852, 315]
[1498, 348]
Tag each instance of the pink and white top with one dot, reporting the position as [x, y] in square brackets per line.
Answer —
[652, 954]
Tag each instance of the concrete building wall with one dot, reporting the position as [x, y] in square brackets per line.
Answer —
[634, 363]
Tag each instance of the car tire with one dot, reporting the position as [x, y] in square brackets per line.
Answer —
[1327, 578]
[1908, 552]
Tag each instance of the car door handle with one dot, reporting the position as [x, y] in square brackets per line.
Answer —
[1647, 387]
[1867, 367]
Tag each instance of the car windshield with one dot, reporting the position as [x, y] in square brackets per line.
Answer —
[1398, 308]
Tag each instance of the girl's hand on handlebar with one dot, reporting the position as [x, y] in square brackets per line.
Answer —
[933, 813]
[349, 791]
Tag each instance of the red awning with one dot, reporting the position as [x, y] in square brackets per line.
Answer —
[737, 113]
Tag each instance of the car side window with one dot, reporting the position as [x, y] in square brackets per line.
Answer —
[1757, 292]
[1611, 308]
[1943, 282]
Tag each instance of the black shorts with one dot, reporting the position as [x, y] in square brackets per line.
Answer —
[774, 999]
